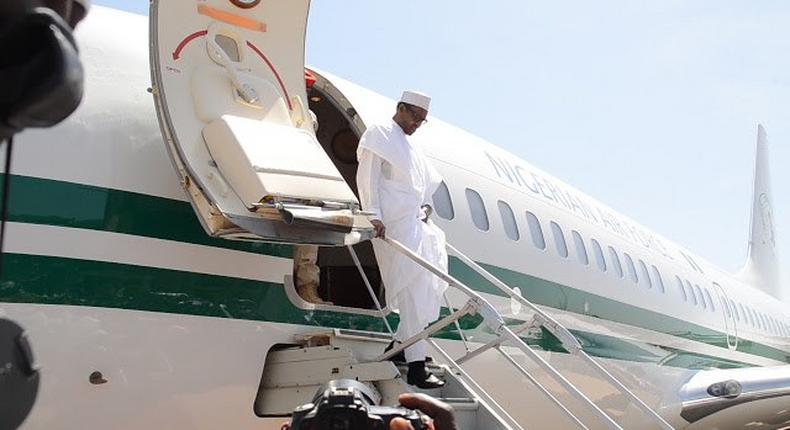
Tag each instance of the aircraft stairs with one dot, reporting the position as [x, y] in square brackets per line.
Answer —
[293, 375]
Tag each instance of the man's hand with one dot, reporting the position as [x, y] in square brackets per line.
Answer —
[442, 413]
[379, 226]
[425, 212]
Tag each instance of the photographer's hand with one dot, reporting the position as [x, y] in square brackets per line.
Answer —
[442, 413]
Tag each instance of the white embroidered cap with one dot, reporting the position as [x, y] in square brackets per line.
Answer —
[416, 98]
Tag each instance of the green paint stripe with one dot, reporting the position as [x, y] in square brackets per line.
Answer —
[58, 203]
[64, 281]
[559, 296]
[66, 204]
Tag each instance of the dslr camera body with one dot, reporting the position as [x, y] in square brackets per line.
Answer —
[346, 404]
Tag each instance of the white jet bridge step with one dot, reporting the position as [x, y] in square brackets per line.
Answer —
[292, 376]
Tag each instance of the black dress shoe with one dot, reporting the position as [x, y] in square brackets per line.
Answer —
[420, 377]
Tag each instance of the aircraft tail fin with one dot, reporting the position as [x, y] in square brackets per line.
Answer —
[762, 264]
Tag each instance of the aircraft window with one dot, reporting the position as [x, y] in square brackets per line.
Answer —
[701, 299]
[478, 209]
[644, 274]
[535, 231]
[682, 289]
[598, 255]
[731, 308]
[743, 312]
[752, 318]
[691, 292]
[229, 45]
[559, 240]
[443, 203]
[710, 300]
[657, 279]
[616, 262]
[735, 310]
[581, 251]
[761, 319]
[726, 307]
[629, 265]
[508, 220]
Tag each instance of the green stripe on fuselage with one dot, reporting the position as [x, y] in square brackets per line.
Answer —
[58, 203]
[55, 280]
[66, 204]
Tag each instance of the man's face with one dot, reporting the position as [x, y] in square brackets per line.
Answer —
[410, 118]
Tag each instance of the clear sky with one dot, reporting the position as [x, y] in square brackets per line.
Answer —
[649, 106]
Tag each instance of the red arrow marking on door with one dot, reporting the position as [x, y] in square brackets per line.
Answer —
[183, 44]
[276, 75]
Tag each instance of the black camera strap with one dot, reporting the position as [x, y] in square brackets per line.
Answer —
[5, 199]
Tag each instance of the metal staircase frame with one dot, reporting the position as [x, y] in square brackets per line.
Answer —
[477, 304]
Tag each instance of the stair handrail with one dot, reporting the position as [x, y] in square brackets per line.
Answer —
[566, 338]
[493, 319]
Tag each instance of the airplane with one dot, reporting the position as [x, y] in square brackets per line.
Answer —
[150, 241]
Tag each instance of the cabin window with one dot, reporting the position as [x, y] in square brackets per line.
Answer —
[752, 319]
[682, 289]
[478, 209]
[727, 309]
[743, 312]
[691, 292]
[700, 298]
[643, 273]
[735, 310]
[559, 240]
[598, 255]
[657, 280]
[616, 262]
[581, 250]
[629, 265]
[535, 231]
[443, 203]
[710, 300]
[508, 220]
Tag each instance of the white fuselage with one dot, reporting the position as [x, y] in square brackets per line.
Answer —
[106, 190]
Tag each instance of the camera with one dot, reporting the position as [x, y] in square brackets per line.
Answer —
[346, 404]
[41, 76]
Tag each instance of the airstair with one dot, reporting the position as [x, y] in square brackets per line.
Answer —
[292, 375]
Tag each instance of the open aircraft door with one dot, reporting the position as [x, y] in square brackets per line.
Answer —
[729, 313]
[228, 80]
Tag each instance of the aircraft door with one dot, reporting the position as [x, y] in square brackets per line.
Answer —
[728, 311]
[228, 81]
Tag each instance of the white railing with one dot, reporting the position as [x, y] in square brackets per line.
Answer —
[477, 304]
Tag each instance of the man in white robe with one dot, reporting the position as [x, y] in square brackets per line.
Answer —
[396, 182]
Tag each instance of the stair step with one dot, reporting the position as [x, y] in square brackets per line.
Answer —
[461, 403]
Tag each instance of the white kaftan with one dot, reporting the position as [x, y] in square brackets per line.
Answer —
[394, 180]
